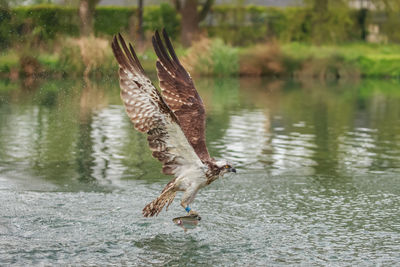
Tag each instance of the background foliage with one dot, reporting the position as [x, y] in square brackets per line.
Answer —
[110, 20]
[237, 25]
[236, 40]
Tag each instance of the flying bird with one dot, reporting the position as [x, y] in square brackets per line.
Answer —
[173, 119]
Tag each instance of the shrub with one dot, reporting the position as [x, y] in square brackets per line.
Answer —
[5, 20]
[70, 57]
[330, 68]
[306, 25]
[198, 59]
[87, 55]
[231, 23]
[111, 20]
[8, 61]
[164, 16]
[46, 20]
[379, 65]
[212, 57]
[261, 60]
[225, 59]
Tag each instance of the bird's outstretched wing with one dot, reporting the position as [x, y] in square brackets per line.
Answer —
[180, 94]
[149, 114]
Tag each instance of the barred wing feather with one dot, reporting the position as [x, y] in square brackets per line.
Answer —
[150, 114]
[180, 94]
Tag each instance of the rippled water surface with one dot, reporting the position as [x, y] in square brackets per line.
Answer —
[318, 179]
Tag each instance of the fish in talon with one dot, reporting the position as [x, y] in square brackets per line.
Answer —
[187, 222]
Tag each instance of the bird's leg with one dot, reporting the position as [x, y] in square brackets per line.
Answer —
[188, 209]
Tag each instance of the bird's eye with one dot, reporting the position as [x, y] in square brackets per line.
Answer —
[227, 166]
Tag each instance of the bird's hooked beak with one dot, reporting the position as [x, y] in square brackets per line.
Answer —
[232, 170]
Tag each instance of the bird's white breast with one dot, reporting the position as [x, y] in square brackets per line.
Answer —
[192, 177]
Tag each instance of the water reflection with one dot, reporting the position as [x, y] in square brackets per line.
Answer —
[234, 144]
[67, 131]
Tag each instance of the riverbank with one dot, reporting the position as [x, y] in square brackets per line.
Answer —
[92, 57]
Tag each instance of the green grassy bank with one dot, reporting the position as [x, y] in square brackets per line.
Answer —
[212, 57]
[368, 60]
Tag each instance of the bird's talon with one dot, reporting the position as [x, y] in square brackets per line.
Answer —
[193, 213]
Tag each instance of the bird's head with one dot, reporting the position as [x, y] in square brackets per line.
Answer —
[224, 167]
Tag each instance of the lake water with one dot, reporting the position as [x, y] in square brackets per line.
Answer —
[318, 179]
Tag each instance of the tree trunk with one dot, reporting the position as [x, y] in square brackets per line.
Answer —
[139, 30]
[190, 22]
[86, 14]
[191, 18]
[321, 5]
[320, 16]
[362, 22]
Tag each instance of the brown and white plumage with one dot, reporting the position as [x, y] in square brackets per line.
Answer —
[179, 93]
[173, 121]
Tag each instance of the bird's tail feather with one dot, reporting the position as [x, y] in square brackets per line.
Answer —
[156, 206]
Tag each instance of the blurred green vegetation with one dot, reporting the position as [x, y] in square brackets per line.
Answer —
[240, 40]
[370, 60]
[111, 20]
[162, 16]
[213, 57]
[245, 25]
[235, 24]
[46, 22]
[8, 60]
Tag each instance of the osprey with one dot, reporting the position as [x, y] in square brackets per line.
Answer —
[174, 121]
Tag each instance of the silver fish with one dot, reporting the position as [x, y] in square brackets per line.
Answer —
[187, 222]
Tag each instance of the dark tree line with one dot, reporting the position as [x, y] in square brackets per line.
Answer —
[189, 10]
[320, 21]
